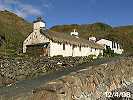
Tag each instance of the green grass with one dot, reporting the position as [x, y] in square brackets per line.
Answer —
[15, 30]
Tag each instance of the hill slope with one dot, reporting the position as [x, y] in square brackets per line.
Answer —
[85, 29]
[14, 29]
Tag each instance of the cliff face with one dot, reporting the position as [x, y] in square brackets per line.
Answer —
[87, 84]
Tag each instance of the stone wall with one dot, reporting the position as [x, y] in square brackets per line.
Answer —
[88, 84]
[14, 69]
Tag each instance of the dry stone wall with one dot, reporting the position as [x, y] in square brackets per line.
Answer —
[86, 84]
[14, 69]
[89, 84]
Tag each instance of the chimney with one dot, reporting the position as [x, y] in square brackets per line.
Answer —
[92, 39]
[38, 24]
[75, 33]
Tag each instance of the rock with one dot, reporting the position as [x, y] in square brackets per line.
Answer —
[20, 77]
[88, 84]
[1, 81]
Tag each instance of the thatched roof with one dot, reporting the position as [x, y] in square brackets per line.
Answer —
[68, 39]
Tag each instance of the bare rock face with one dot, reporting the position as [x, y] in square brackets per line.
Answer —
[88, 84]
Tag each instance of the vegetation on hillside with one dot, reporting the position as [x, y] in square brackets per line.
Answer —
[86, 29]
[13, 29]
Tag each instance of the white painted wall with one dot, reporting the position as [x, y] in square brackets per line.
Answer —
[57, 49]
[76, 51]
[38, 25]
[92, 39]
[74, 33]
[34, 38]
[109, 43]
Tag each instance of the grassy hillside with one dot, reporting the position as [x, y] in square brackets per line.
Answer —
[125, 29]
[86, 30]
[14, 29]
[122, 35]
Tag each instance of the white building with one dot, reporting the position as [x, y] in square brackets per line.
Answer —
[49, 43]
[74, 33]
[92, 39]
[112, 45]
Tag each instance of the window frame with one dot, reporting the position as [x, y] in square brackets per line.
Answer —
[80, 48]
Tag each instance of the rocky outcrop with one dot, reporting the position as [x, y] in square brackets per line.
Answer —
[87, 84]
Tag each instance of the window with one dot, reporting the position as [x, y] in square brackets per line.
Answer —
[73, 46]
[117, 46]
[79, 48]
[91, 50]
[112, 44]
[63, 46]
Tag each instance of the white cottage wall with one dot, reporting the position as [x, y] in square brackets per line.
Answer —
[76, 51]
[34, 38]
[109, 43]
[27, 41]
[57, 49]
[85, 51]
[39, 25]
[68, 50]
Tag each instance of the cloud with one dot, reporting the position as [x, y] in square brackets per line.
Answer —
[25, 10]
[20, 8]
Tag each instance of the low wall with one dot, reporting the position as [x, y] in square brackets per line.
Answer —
[86, 84]
[14, 69]
[89, 84]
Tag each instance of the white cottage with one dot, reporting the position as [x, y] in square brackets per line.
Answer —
[49, 43]
[112, 45]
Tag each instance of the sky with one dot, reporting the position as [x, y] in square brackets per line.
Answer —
[58, 12]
